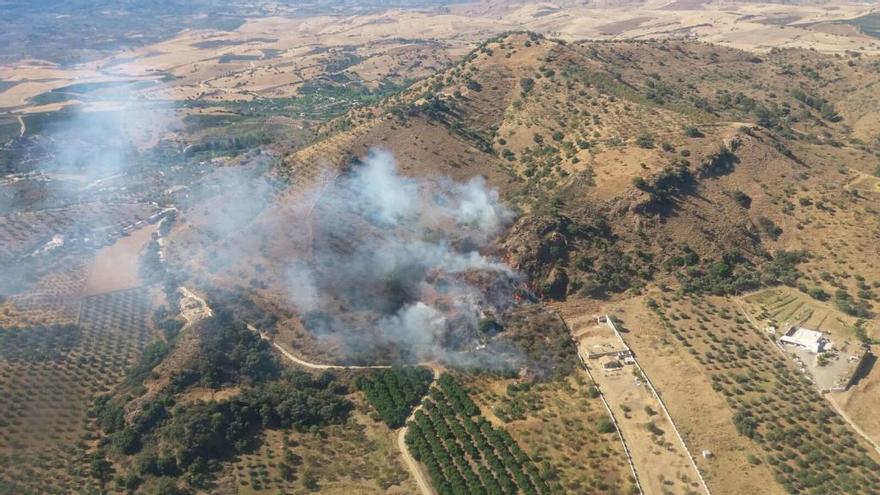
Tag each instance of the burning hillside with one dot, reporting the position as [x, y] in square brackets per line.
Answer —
[404, 266]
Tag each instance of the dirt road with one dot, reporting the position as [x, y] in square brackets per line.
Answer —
[852, 423]
[417, 473]
[411, 464]
[308, 364]
[192, 307]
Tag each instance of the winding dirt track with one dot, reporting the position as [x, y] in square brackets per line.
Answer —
[411, 464]
[308, 364]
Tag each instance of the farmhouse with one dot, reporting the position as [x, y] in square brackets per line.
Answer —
[804, 338]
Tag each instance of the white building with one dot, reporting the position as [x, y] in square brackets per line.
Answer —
[811, 340]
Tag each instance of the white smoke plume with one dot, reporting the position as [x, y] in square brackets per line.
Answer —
[402, 262]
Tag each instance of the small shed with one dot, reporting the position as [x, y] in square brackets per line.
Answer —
[612, 364]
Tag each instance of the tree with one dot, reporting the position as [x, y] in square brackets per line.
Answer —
[167, 486]
[309, 479]
[818, 293]
[745, 424]
[395, 392]
[720, 269]
[100, 469]
[848, 305]
[605, 425]
[742, 198]
[769, 227]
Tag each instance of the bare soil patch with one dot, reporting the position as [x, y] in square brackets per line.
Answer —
[116, 267]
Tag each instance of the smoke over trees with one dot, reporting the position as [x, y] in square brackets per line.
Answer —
[399, 261]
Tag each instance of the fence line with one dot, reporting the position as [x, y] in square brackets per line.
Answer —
[626, 451]
[611, 324]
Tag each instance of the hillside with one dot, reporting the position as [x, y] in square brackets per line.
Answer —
[681, 170]
[725, 151]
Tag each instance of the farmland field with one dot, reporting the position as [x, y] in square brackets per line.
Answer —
[558, 423]
[804, 443]
[48, 378]
[463, 452]
[439, 247]
[359, 456]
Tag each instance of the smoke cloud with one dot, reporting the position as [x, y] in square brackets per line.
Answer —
[385, 265]
[402, 262]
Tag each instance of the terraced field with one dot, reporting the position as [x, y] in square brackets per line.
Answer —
[785, 307]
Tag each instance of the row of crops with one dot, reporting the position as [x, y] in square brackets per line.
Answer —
[48, 377]
[463, 453]
[395, 392]
[38, 343]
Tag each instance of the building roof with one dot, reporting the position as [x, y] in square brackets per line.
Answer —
[612, 363]
[804, 337]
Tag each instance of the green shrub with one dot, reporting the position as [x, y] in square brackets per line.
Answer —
[605, 425]
[693, 132]
[769, 227]
[742, 198]
[474, 86]
[818, 293]
[645, 140]
[848, 305]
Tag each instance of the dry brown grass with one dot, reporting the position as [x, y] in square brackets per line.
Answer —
[701, 414]
[696, 337]
[358, 457]
[559, 425]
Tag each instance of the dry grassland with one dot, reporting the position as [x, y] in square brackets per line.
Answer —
[359, 457]
[557, 422]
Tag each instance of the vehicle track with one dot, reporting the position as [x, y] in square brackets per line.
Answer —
[412, 465]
